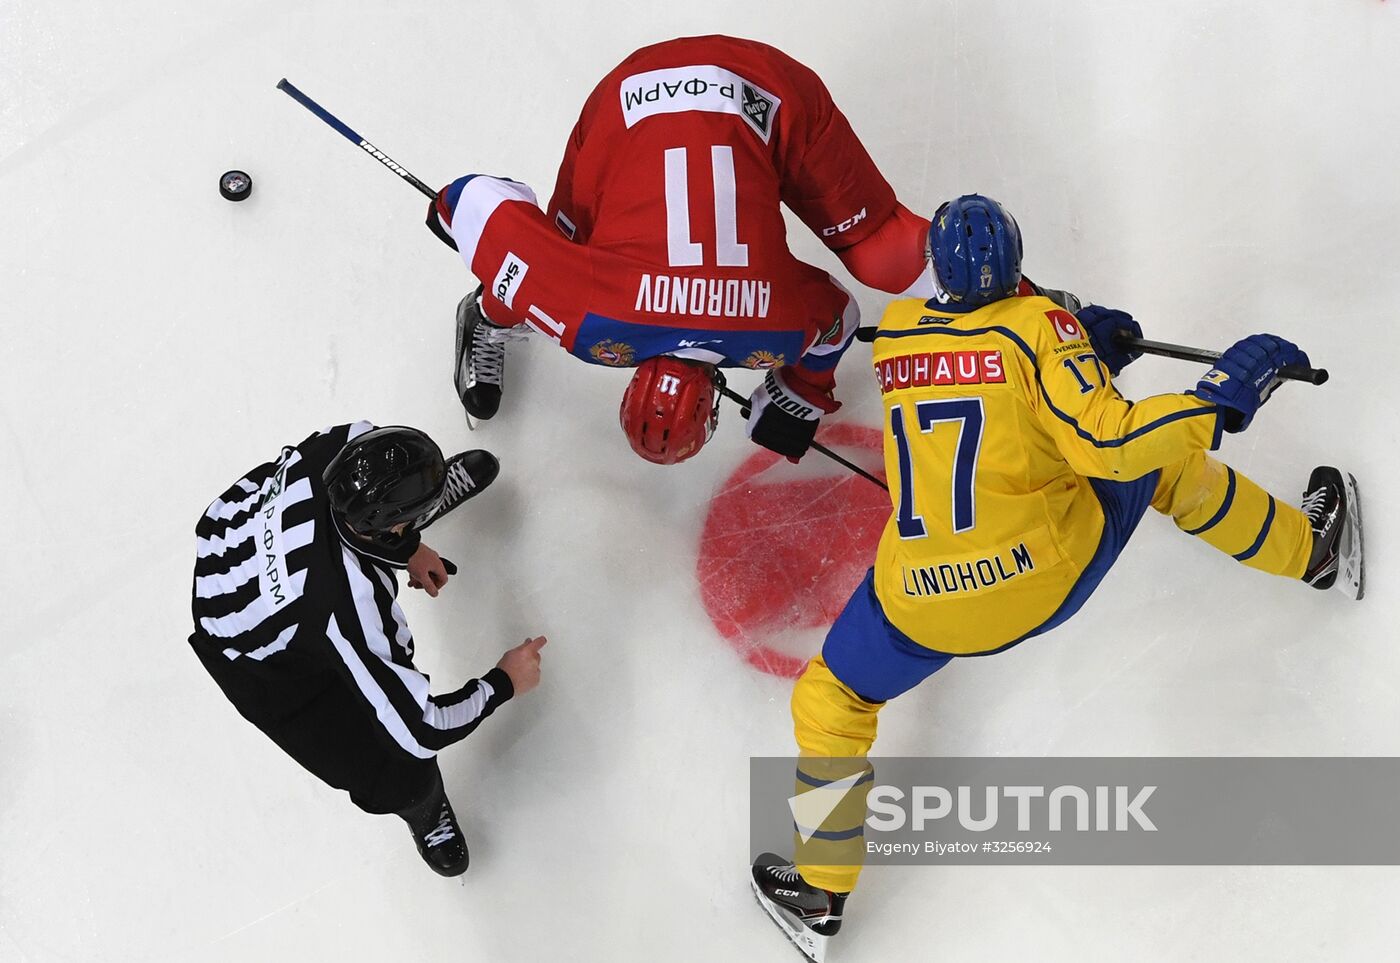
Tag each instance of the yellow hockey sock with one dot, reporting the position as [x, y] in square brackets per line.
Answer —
[1225, 509]
[835, 729]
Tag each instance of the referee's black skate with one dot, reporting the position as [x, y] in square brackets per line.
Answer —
[481, 359]
[437, 835]
[808, 915]
[468, 474]
[1333, 506]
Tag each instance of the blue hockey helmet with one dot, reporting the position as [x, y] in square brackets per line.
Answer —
[975, 249]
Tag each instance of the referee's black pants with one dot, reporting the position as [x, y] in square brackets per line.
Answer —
[327, 726]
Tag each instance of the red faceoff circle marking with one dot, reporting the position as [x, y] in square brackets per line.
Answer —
[784, 546]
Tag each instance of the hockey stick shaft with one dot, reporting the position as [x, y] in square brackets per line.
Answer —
[743, 404]
[1181, 352]
[1289, 372]
[335, 123]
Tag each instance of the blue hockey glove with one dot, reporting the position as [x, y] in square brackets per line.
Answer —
[1245, 376]
[1102, 324]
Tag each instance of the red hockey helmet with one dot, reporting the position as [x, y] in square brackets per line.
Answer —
[670, 409]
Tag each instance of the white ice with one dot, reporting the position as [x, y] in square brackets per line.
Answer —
[1219, 167]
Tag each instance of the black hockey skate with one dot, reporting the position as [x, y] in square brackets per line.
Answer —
[481, 359]
[808, 915]
[1333, 506]
[468, 474]
[437, 835]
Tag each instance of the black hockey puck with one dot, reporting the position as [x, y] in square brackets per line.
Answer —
[235, 185]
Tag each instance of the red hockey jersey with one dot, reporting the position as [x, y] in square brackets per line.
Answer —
[665, 233]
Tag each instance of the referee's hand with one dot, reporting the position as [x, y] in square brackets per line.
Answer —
[522, 664]
[426, 571]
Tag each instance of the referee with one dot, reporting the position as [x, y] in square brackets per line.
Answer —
[295, 617]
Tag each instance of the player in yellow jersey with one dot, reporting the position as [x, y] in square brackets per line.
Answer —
[1018, 472]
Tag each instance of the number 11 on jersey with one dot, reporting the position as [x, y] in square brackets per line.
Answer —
[967, 413]
[681, 250]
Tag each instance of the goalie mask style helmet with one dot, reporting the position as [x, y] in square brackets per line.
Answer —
[385, 477]
[670, 409]
[975, 249]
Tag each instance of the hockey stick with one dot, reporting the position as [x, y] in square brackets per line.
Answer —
[354, 138]
[1290, 372]
[743, 404]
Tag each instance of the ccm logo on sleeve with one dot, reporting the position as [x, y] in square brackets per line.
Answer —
[845, 225]
[940, 368]
[509, 278]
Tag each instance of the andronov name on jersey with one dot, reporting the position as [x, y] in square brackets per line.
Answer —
[700, 297]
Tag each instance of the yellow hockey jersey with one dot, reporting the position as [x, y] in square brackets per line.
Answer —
[994, 420]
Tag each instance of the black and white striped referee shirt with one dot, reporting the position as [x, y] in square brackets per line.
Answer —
[285, 593]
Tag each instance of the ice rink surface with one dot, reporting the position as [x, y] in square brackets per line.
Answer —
[1218, 168]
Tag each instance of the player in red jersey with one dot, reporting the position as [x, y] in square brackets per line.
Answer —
[664, 245]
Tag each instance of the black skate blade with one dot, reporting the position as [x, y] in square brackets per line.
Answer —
[818, 951]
